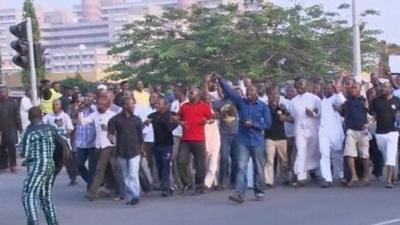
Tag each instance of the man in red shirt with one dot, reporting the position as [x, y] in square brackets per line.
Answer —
[193, 115]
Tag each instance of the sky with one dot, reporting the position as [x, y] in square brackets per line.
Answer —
[386, 21]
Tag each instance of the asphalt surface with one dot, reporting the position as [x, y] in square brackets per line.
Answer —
[311, 205]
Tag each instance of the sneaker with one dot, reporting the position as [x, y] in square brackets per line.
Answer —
[118, 199]
[260, 197]
[134, 201]
[236, 198]
[167, 193]
[389, 185]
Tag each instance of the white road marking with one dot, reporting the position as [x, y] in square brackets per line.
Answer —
[388, 222]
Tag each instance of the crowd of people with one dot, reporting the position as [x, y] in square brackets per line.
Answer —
[195, 140]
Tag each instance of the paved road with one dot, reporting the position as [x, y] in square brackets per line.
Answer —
[283, 206]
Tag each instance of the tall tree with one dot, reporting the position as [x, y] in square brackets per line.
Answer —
[29, 11]
[273, 42]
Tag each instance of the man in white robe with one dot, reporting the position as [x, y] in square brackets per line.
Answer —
[26, 104]
[305, 111]
[331, 134]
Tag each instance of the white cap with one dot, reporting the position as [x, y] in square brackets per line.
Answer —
[102, 87]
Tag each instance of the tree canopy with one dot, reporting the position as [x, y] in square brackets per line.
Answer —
[78, 81]
[274, 42]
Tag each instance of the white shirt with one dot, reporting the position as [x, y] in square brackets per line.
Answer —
[62, 122]
[331, 121]
[397, 93]
[303, 124]
[100, 121]
[115, 108]
[175, 107]
[143, 112]
[264, 99]
[26, 104]
[214, 95]
[330, 118]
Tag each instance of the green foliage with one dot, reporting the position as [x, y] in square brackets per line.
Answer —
[274, 42]
[29, 11]
[78, 81]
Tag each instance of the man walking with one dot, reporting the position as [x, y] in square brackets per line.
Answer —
[305, 111]
[10, 125]
[85, 138]
[228, 126]
[63, 124]
[276, 142]
[105, 149]
[386, 109]
[38, 148]
[254, 117]
[163, 142]
[357, 137]
[180, 93]
[192, 117]
[331, 134]
[125, 130]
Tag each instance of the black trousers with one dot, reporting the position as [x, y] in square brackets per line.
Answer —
[82, 155]
[197, 149]
[8, 155]
[376, 157]
[71, 166]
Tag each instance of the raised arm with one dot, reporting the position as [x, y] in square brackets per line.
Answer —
[229, 92]
[392, 81]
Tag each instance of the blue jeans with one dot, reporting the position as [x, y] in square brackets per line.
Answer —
[163, 161]
[257, 155]
[130, 172]
[83, 154]
[228, 150]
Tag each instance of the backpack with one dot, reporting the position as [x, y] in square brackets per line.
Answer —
[61, 151]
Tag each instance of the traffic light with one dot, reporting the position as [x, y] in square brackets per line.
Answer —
[38, 50]
[21, 46]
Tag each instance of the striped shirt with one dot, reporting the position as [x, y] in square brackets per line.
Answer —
[85, 134]
[38, 143]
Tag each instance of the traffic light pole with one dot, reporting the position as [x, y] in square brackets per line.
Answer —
[32, 61]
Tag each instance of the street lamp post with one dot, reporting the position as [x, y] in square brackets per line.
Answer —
[357, 71]
[2, 80]
[81, 48]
